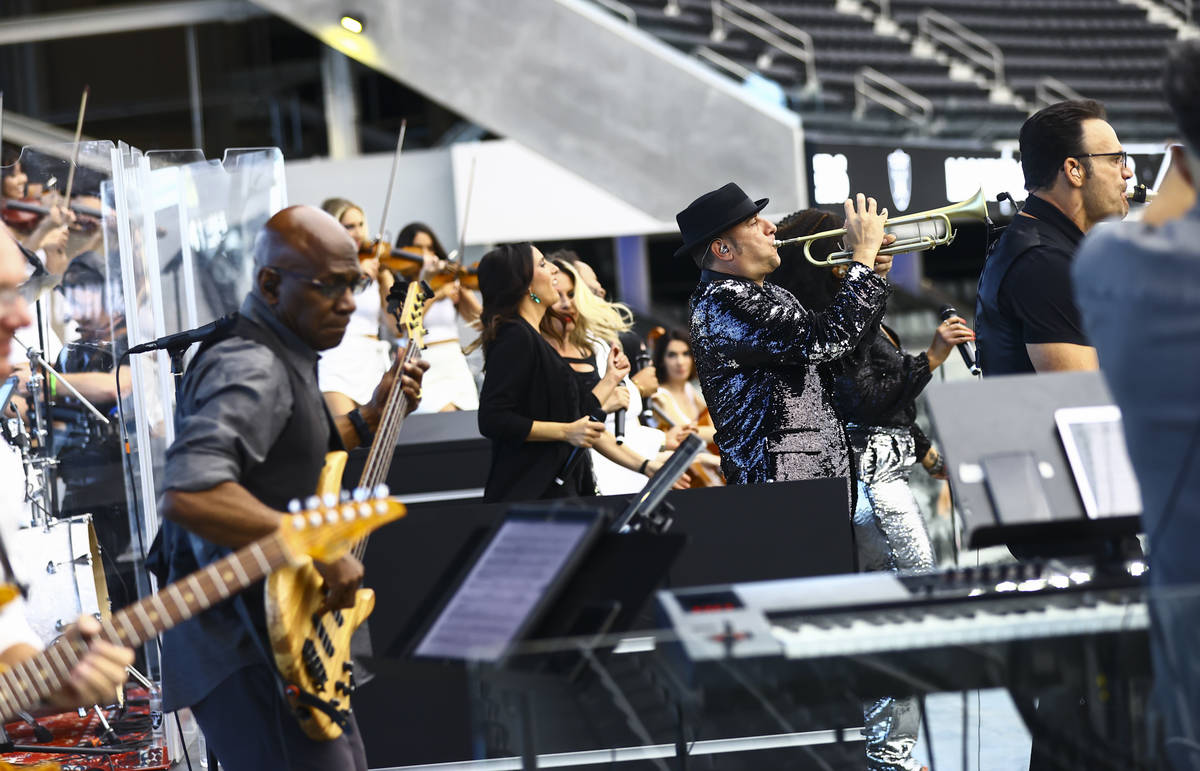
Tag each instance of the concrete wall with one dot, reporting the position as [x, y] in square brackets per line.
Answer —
[651, 126]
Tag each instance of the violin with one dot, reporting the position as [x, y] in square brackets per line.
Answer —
[468, 277]
[408, 261]
[26, 213]
[401, 261]
[17, 217]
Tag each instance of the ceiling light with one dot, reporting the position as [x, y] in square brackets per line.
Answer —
[352, 23]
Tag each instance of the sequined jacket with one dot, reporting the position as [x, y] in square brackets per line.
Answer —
[757, 353]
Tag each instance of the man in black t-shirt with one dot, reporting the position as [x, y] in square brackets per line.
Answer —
[1075, 172]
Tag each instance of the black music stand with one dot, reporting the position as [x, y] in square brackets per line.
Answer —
[1007, 465]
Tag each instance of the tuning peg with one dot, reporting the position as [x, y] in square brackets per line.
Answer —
[361, 494]
[329, 499]
[294, 505]
[312, 502]
[344, 497]
[381, 507]
[381, 491]
[349, 512]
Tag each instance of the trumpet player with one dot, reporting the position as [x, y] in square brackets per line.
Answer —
[1076, 173]
[757, 349]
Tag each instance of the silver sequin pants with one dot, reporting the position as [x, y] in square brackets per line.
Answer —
[890, 533]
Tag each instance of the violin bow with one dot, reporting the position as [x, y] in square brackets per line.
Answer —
[75, 149]
[461, 251]
[387, 201]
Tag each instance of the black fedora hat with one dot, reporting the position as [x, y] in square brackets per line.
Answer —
[712, 214]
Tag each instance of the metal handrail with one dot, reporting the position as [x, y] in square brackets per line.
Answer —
[1182, 7]
[974, 47]
[724, 62]
[620, 9]
[872, 85]
[885, 8]
[1049, 90]
[800, 47]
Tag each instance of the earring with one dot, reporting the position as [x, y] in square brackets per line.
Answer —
[534, 297]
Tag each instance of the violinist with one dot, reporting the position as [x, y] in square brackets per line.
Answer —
[450, 317]
[44, 232]
[678, 400]
[348, 373]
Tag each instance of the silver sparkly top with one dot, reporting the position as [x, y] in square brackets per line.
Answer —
[757, 352]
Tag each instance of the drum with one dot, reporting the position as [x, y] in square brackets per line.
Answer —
[61, 563]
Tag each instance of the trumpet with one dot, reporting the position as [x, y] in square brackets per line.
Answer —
[1140, 194]
[914, 232]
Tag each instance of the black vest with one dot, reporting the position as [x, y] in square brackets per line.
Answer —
[1000, 349]
[294, 462]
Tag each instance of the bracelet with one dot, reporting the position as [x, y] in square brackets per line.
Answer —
[365, 435]
[642, 468]
[938, 466]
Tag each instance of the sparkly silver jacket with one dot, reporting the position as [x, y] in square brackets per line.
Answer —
[757, 352]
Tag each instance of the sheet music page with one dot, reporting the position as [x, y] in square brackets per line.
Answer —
[505, 585]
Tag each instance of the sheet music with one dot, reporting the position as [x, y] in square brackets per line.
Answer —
[1094, 439]
[506, 584]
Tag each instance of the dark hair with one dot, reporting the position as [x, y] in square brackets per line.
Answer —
[660, 352]
[1181, 82]
[9, 157]
[1053, 134]
[409, 232]
[812, 285]
[505, 274]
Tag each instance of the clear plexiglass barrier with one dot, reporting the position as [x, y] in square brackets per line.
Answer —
[154, 243]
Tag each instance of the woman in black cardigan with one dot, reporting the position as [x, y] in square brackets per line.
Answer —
[532, 406]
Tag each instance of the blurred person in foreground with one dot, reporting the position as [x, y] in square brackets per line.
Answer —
[1076, 173]
[1138, 287]
[101, 671]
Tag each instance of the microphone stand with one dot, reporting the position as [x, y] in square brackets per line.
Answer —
[35, 357]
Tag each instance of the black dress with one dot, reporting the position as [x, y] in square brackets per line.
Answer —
[526, 380]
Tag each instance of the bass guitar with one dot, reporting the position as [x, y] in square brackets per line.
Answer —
[312, 649]
[325, 531]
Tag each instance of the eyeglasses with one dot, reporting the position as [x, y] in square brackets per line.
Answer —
[331, 289]
[1123, 155]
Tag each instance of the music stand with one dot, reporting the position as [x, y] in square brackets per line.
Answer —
[1011, 478]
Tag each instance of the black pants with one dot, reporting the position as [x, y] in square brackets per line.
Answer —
[250, 728]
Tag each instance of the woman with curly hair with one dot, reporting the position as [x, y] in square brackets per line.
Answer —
[874, 391]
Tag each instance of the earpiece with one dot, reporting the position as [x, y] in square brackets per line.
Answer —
[724, 249]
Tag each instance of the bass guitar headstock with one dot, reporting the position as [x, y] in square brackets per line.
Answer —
[326, 528]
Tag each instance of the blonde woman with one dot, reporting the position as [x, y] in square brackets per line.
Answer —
[348, 374]
[583, 329]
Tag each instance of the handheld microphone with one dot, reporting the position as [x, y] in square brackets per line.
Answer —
[181, 340]
[619, 423]
[966, 349]
[575, 457]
